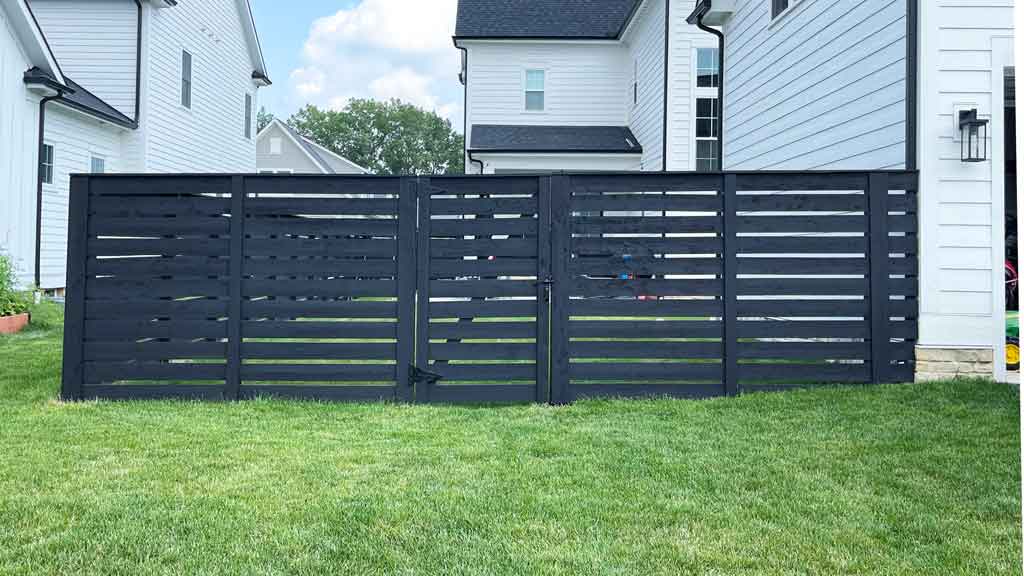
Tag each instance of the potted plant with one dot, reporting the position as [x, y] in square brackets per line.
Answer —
[14, 305]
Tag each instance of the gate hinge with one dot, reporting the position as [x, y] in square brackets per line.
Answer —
[418, 375]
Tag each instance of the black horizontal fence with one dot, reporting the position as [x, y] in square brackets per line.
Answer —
[488, 289]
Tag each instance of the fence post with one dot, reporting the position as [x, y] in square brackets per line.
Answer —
[73, 377]
[407, 255]
[730, 268]
[543, 288]
[422, 288]
[561, 252]
[233, 378]
[878, 239]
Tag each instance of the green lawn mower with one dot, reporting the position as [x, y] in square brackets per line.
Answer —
[1013, 340]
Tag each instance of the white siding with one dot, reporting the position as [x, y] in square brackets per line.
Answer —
[95, 44]
[965, 44]
[821, 87]
[75, 138]
[685, 39]
[19, 123]
[209, 137]
[645, 42]
[584, 83]
[291, 156]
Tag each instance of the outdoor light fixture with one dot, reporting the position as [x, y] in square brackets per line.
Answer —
[973, 136]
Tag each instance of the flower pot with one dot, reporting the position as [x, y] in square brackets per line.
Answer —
[13, 324]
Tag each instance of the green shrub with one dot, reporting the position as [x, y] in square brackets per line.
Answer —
[11, 300]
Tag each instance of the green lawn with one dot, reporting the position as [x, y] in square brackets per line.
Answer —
[884, 480]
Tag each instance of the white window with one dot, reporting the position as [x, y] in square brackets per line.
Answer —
[535, 90]
[186, 79]
[707, 67]
[97, 165]
[248, 116]
[707, 135]
[275, 146]
[46, 164]
[778, 7]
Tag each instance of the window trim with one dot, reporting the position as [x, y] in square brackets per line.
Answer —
[48, 176]
[714, 139]
[781, 14]
[92, 159]
[182, 80]
[697, 68]
[526, 90]
[247, 131]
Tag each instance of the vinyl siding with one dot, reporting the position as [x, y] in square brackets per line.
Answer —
[291, 157]
[822, 87]
[962, 205]
[75, 139]
[209, 137]
[645, 41]
[95, 44]
[685, 39]
[19, 121]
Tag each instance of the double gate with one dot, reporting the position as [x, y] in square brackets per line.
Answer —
[488, 289]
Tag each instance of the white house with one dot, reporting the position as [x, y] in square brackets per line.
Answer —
[280, 149]
[847, 84]
[139, 86]
[587, 85]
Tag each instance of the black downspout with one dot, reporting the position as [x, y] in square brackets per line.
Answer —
[39, 186]
[664, 97]
[465, 108]
[469, 153]
[138, 62]
[721, 88]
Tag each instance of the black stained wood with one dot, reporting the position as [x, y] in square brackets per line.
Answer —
[143, 267]
[154, 350]
[906, 223]
[477, 288]
[331, 288]
[653, 182]
[491, 186]
[113, 330]
[319, 329]
[323, 247]
[800, 224]
[803, 350]
[634, 308]
[424, 309]
[487, 227]
[315, 267]
[368, 207]
[821, 373]
[803, 266]
[560, 306]
[878, 190]
[120, 309]
[134, 186]
[483, 330]
[101, 372]
[160, 206]
[818, 308]
[646, 202]
[801, 286]
[484, 394]
[478, 351]
[647, 371]
[645, 287]
[288, 309]
[730, 288]
[483, 248]
[316, 185]
[75, 330]
[317, 351]
[321, 393]
[616, 265]
[639, 247]
[760, 244]
[159, 247]
[645, 224]
[777, 202]
[490, 372]
[299, 227]
[800, 181]
[155, 289]
[483, 309]
[449, 268]
[318, 373]
[854, 329]
[905, 329]
[483, 206]
[633, 329]
[178, 226]
[152, 392]
[645, 391]
[407, 261]
[631, 350]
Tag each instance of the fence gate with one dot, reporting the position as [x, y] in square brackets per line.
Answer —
[488, 289]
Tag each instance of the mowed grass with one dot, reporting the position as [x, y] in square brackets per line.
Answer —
[873, 480]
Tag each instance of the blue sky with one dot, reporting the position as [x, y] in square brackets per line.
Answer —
[325, 52]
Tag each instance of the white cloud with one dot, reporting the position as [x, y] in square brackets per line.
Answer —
[383, 49]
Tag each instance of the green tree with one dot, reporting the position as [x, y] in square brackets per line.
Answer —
[388, 138]
[263, 119]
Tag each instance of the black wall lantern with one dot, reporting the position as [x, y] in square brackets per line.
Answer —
[973, 137]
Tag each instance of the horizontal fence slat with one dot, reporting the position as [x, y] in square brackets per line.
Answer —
[644, 266]
[158, 247]
[482, 330]
[644, 391]
[158, 227]
[153, 392]
[324, 247]
[646, 202]
[149, 206]
[321, 206]
[645, 329]
[801, 202]
[609, 308]
[321, 267]
[319, 288]
[817, 308]
[444, 268]
[810, 373]
[484, 309]
[800, 224]
[662, 371]
[794, 350]
[609, 246]
[120, 309]
[154, 350]
[801, 245]
[802, 266]
[318, 372]
[479, 351]
[496, 372]
[592, 287]
[483, 394]
[132, 186]
[289, 309]
[111, 330]
[688, 182]
[638, 350]
[495, 186]
[320, 393]
[484, 227]
[154, 289]
[645, 225]
[802, 329]
[317, 351]
[191, 266]
[801, 286]
[326, 330]
[334, 227]
[800, 181]
[310, 184]
[483, 247]
[482, 206]
[482, 288]
[102, 372]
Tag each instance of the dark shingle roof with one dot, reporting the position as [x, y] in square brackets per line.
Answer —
[503, 138]
[309, 148]
[87, 102]
[543, 18]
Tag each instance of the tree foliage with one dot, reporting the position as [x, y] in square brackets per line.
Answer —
[263, 119]
[390, 138]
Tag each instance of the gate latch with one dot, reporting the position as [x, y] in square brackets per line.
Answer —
[418, 375]
[546, 283]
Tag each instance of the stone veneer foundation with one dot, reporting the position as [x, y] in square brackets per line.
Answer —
[948, 363]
